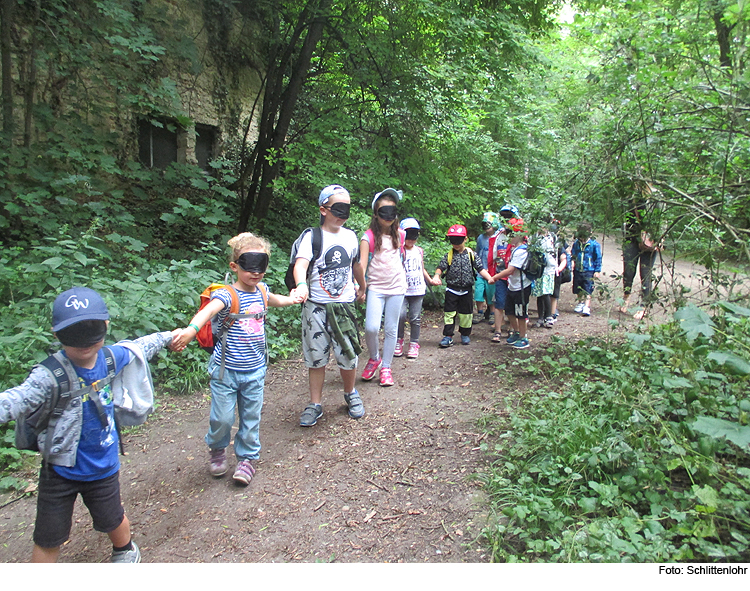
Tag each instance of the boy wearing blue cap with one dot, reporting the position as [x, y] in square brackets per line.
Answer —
[328, 319]
[80, 444]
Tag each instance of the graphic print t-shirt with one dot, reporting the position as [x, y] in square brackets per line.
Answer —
[246, 341]
[414, 266]
[331, 279]
[98, 449]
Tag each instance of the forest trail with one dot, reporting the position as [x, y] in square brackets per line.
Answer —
[395, 486]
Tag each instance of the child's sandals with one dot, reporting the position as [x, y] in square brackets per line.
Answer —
[497, 337]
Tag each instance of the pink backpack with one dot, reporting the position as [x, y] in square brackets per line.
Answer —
[371, 241]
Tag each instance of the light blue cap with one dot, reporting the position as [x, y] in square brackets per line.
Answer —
[329, 192]
[409, 223]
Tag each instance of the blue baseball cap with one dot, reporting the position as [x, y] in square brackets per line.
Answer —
[509, 211]
[75, 305]
[329, 192]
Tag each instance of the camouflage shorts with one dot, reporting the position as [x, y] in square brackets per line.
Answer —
[317, 340]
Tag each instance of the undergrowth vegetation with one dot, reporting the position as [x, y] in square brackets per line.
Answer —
[634, 450]
[143, 296]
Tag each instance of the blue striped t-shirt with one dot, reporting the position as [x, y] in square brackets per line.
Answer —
[246, 342]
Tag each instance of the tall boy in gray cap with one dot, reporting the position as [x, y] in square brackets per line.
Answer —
[81, 445]
[328, 320]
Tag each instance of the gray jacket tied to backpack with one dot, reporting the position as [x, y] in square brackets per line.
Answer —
[132, 390]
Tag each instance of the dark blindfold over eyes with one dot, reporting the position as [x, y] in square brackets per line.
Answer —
[412, 234]
[340, 210]
[387, 212]
[253, 262]
[83, 334]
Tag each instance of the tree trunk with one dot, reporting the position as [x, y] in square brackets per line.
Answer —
[722, 36]
[6, 14]
[278, 107]
[31, 79]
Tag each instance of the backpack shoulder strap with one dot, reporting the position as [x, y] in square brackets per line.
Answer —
[450, 257]
[317, 242]
[316, 238]
[234, 308]
[264, 294]
[370, 237]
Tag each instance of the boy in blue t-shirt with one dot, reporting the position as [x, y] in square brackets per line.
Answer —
[83, 446]
[484, 292]
[587, 264]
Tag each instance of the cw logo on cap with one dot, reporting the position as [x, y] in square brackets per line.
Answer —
[74, 302]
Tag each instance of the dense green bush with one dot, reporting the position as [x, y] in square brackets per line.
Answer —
[143, 296]
[634, 451]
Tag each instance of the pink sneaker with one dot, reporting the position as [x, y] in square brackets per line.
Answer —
[399, 350]
[386, 379]
[413, 351]
[370, 368]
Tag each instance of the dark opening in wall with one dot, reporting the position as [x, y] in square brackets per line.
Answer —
[205, 143]
[157, 146]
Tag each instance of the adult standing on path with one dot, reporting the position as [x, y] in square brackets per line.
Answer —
[639, 247]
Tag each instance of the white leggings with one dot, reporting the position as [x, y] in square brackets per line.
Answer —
[379, 305]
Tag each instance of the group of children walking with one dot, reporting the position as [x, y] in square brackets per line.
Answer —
[390, 276]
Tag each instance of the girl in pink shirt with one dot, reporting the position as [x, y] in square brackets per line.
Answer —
[386, 282]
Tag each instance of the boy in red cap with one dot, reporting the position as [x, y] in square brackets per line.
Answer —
[519, 286]
[460, 266]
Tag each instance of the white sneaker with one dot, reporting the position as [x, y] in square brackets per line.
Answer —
[586, 311]
[579, 307]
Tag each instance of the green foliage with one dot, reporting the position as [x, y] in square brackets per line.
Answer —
[647, 85]
[143, 296]
[632, 451]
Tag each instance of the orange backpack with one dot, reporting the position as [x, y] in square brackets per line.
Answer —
[212, 332]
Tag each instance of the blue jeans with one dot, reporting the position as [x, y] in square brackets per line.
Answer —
[501, 293]
[382, 306]
[243, 390]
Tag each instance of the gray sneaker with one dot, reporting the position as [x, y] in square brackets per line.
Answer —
[217, 463]
[356, 408]
[310, 415]
[127, 556]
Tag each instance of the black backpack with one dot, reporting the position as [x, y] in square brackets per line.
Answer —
[536, 260]
[317, 241]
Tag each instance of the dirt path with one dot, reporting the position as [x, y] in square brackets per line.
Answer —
[395, 486]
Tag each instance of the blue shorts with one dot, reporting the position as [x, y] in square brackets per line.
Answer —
[501, 292]
[483, 291]
[583, 282]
